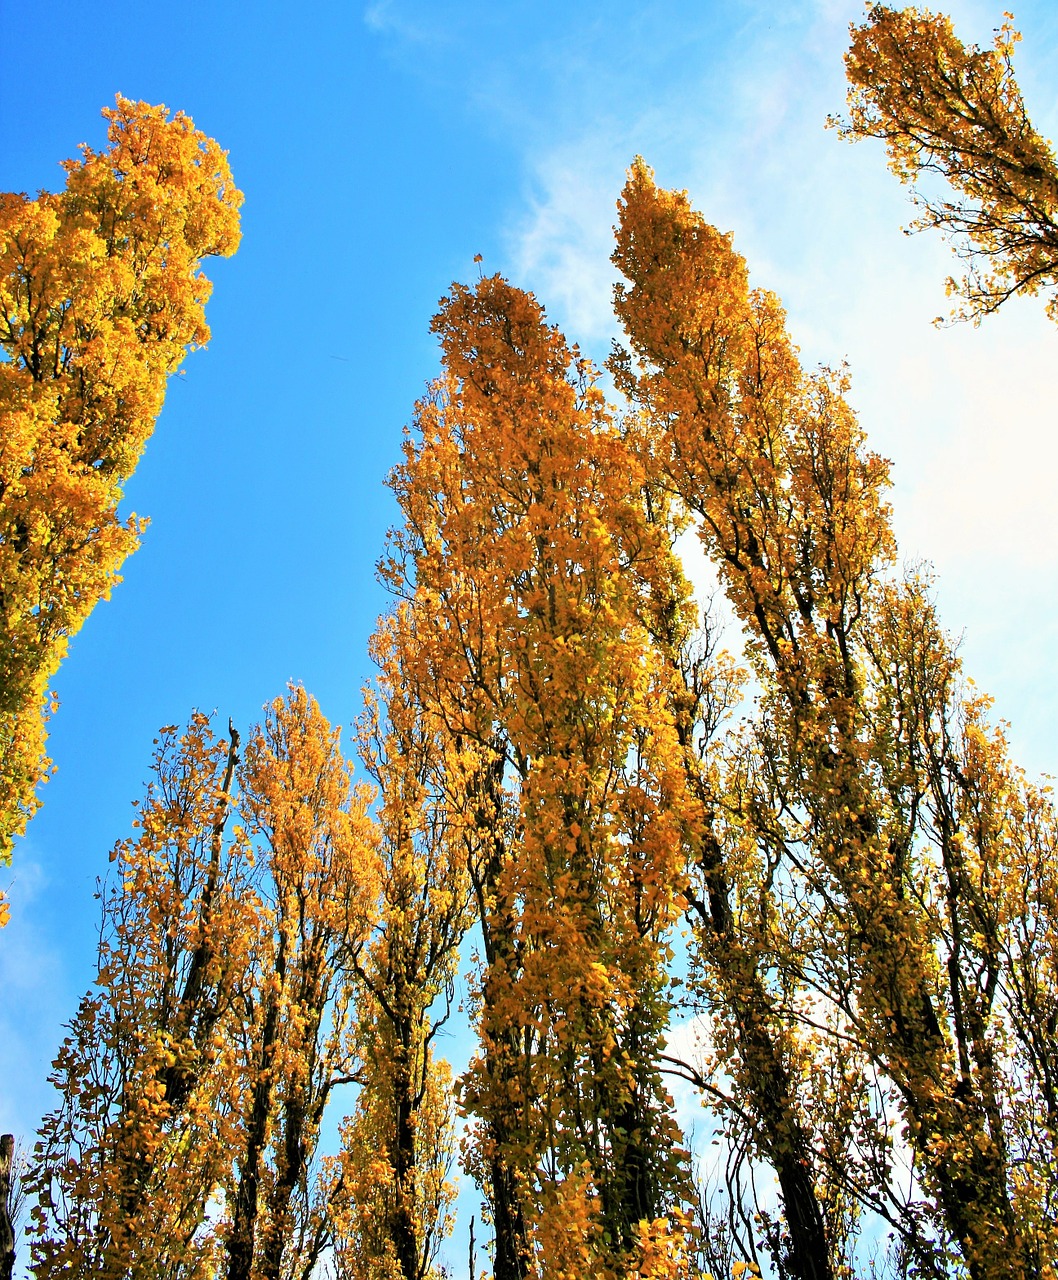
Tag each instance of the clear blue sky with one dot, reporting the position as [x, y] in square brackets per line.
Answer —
[380, 146]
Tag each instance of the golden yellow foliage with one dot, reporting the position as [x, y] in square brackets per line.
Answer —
[317, 889]
[101, 297]
[397, 1149]
[198, 1068]
[526, 557]
[142, 1135]
[871, 884]
[856, 795]
[942, 107]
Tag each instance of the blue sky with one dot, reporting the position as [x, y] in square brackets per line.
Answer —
[380, 146]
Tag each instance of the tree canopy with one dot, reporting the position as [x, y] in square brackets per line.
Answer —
[813, 848]
[101, 297]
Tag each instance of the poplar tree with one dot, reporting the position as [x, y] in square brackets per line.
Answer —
[877, 842]
[198, 1068]
[142, 1135]
[316, 893]
[524, 555]
[101, 297]
[398, 1148]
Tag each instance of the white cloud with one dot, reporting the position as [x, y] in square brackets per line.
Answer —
[377, 15]
[386, 18]
[562, 247]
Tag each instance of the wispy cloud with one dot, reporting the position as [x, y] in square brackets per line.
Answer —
[390, 18]
[562, 246]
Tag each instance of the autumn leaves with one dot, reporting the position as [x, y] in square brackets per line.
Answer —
[942, 107]
[247, 970]
[839, 831]
[526, 559]
[866, 884]
[101, 296]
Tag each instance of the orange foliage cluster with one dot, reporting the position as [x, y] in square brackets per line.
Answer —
[946, 108]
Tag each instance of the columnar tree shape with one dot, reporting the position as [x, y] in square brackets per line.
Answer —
[399, 1146]
[101, 297]
[317, 888]
[790, 507]
[989, 870]
[525, 553]
[946, 108]
[142, 1135]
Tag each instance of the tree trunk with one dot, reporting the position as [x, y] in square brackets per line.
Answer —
[509, 1263]
[243, 1235]
[769, 1089]
[7, 1233]
[270, 1266]
[502, 1051]
[403, 1226]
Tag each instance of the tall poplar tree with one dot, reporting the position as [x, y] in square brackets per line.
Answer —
[101, 297]
[317, 887]
[142, 1135]
[398, 1148]
[198, 1068]
[900, 897]
[525, 555]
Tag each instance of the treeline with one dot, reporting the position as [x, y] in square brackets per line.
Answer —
[564, 767]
